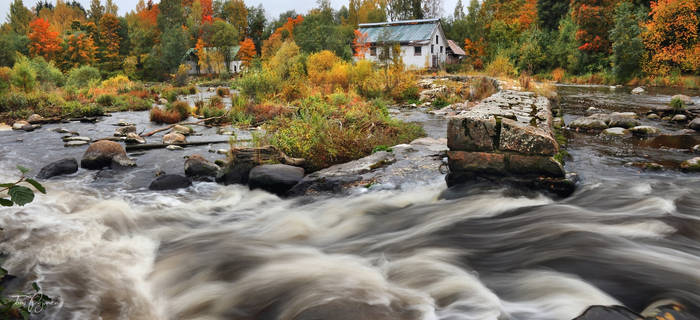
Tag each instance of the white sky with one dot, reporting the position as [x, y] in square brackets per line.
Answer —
[272, 7]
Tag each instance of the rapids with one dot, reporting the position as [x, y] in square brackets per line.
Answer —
[111, 250]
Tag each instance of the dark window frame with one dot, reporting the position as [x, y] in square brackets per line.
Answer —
[417, 51]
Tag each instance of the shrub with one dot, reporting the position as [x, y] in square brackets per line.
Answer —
[525, 81]
[411, 93]
[23, 75]
[677, 105]
[558, 74]
[326, 70]
[82, 77]
[259, 84]
[47, 73]
[181, 107]
[180, 78]
[339, 98]
[264, 112]
[222, 91]
[120, 83]
[5, 74]
[484, 88]
[501, 66]
[159, 115]
[216, 102]
[170, 95]
[106, 100]
[77, 109]
[12, 101]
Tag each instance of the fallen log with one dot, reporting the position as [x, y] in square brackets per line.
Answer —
[148, 146]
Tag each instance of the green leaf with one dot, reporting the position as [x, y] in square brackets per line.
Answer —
[6, 185]
[3, 272]
[36, 287]
[6, 202]
[37, 185]
[23, 169]
[21, 195]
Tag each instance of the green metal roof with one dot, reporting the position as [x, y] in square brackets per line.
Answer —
[400, 31]
[192, 51]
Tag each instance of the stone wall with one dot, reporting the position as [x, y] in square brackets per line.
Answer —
[508, 137]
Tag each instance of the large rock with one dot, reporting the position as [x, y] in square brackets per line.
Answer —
[691, 165]
[105, 153]
[644, 131]
[183, 130]
[588, 124]
[679, 118]
[57, 168]
[685, 99]
[695, 124]
[616, 131]
[133, 138]
[35, 118]
[472, 133]
[638, 90]
[20, 125]
[242, 160]
[5, 127]
[526, 139]
[275, 178]
[406, 165]
[623, 119]
[174, 138]
[170, 182]
[198, 168]
[123, 131]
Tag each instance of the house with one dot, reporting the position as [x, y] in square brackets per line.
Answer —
[423, 43]
[455, 54]
[215, 64]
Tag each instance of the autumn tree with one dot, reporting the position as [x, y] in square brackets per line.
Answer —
[224, 37]
[475, 52]
[43, 40]
[247, 51]
[319, 31]
[19, 17]
[671, 36]
[79, 50]
[111, 7]
[627, 46]
[110, 41]
[594, 19]
[62, 16]
[549, 12]
[256, 25]
[274, 42]
[359, 44]
[96, 11]
[236, 13]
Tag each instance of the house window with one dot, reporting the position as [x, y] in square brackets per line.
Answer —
[440, 49]
[417, 51]
[432, 48]
[373, 51]
[437, 37]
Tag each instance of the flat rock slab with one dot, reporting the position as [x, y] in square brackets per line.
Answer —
[420, 162]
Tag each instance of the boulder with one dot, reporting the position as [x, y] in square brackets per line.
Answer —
[174, 138]
[679, 118]
[170, 182]
[685, 99]
[653, 116]
[695, 124]
[617, 131]
[623, 119]
[123, 131]
[526, 139]
[198, 168]
[57, 168]
[691, 165]
[173, 147]
[638, 90]
[275, 178]
[105, 153]
[124, 123]
[20, 125]
[133, 138]
[588, 124]
[242, 160]
[696, 148]
[35, 118]
[644, 131]
[183, 130]
[5, 127]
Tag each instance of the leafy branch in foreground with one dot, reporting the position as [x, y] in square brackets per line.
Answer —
[17, 193]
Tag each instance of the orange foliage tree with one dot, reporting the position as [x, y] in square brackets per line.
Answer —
[109, 41]
[594, 19]
[282, 33]
[671, 36]
[527, 14]
[360, 44]
[43, 40]
[475, 51]
[247, 51]
[80, 50]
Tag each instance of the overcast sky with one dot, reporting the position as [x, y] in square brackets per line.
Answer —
[272, 7]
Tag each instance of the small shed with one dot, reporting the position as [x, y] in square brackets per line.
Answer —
[215, 66]
[455, 54]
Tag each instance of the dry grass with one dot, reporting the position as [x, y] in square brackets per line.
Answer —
[159, 115]
[558, 74]
[525, 81]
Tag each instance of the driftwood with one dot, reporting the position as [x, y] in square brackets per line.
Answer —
[148, 146]
[195, 123]
[262, 155]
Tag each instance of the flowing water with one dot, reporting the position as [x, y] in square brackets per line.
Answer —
[107, 248]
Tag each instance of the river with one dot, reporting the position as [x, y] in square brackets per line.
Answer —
[107, 248]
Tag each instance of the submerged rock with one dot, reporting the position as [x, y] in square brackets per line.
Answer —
[588, 124]
[105, 153]
[173, 147]
[75, 143]
[123, 131]
[170, 182]
[133, 138]
[653, 116]
[685, 99]
[695, 124]
[679, 118]
[644, 131]
[198, 168]
[691, 165]
[174, 138]
[638, 90]
[242, 160]
[57, 168]
[275, 178]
